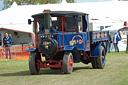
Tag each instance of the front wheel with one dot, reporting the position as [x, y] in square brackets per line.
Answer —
[99, 62]
[68, 62]
[34, 66]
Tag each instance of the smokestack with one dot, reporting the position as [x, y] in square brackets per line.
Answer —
[47, 21]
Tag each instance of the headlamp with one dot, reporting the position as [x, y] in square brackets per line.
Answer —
[30, 44]
[71, 43]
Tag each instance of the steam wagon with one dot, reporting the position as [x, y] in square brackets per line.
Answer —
[64, 38]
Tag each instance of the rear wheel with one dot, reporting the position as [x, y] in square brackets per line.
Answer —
[34, 65]
[99, 62]
[68, 62]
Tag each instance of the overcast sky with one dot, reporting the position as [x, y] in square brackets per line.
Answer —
[78, 1]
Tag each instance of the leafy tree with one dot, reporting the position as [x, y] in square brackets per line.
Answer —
[8, 3]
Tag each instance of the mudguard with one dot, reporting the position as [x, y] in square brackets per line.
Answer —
[30, 49]
[95, 50]
[74, 51]
[69, 48]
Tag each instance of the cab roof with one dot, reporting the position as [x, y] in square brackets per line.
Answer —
[60, 13]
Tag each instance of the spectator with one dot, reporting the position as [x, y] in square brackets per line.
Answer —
[109, 44]
[10, 39]
[116, 39]
[7, 44]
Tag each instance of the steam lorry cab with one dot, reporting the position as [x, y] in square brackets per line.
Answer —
[64, 38]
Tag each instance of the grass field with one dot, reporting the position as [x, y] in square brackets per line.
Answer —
[115, 73]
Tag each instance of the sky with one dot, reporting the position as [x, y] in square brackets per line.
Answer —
[78, 1]
[1, 5]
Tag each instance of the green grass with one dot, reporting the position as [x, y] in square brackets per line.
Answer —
[114, 73]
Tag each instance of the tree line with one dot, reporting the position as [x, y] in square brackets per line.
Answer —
[8, 3]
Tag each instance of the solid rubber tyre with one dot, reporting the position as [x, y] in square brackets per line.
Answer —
[33, 67]
[99, 62]
[67, 62]
[94, 62]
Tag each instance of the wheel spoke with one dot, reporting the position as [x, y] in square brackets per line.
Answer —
[70, 63]
[102, 57]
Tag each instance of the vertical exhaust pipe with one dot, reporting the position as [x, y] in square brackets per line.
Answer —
[47, 21]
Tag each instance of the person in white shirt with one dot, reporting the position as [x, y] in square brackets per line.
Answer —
[116, 39]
